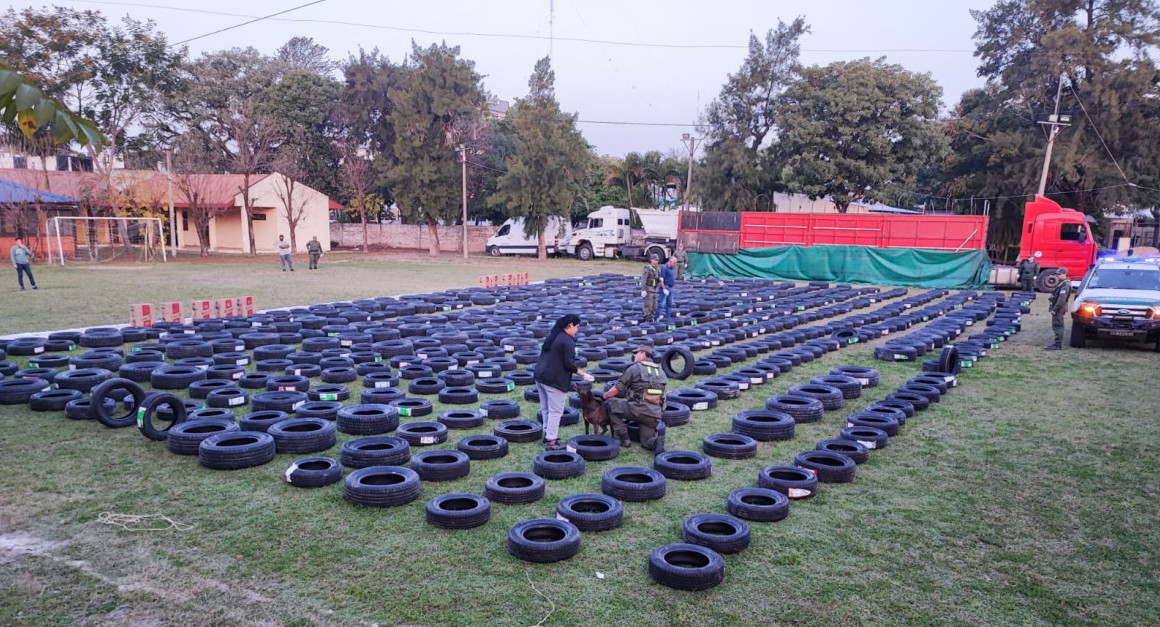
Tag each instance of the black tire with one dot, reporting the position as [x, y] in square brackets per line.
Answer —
[920, 401]
[100, 411]
[856, 451]
[544, 540]
[558, 465]
[724, 534]
[937, 382]
[148, 409]
[683, 465]
[84, 379]
[253, 381]
[519, 431]
[830, 396]
[670, 355]
[802, 408]
[584, 252]
[888, 424]
[375, 450]
[412, 407]
[591, 512]
[703, 367]
[948, 359]
[441, 465]
[594, 448]
[868, 377]
[326, 410]
[184, 438]
[500, 408]
[381, 396]
[794, 482]
[724, 389]
[483, 446]
[495, 385]
[333, 392]
[20, 391]
[140, 371]
[261, 420]
[849, 386]
[758, 504]
[675, 414]
[381, 486]
[279, 401]
[78, 409]
[931, 392]
[686, 566]
[175, 377]
[458, 510]
[232, 451]
[303, 435]
[514, 488]
[764, 425]
[53, 400]
[288, 383]
[633, 484]
[460, 396]
[227, 398]
[201, 389]
[425, 385]
[422, 433]
[830, 467]
[870, 437]
[695, 399]
[729, 446]
[344, 374]
[313, 472]
[367, 419]
[906, 407]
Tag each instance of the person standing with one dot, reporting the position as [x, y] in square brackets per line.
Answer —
[1028, 270]
[1057, 306]
[682, 261]
[644, 382]
[649, 280]
[21, 255]
[314, 247]
[553, 375]
[284, 253]
[668, 286]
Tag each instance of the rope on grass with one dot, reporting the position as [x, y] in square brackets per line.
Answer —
[142, 522]
[546, 616]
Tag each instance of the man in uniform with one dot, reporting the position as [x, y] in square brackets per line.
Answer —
[682, 260]
[1028, 270]
[649, 280]
[1057, 306]
[644, 382]
[314, 247]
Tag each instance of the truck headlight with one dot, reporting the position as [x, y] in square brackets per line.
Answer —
[1154, 312]
[1089, 309]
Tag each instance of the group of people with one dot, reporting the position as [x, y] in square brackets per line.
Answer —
[313, 249]
[658, 283]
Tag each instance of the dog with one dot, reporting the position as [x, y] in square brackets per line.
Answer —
[593, 410]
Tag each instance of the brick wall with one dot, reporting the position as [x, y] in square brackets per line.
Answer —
[411, 236]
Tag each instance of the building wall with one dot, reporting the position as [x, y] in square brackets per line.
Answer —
[268, 195]
[226, 232]
[411, 236]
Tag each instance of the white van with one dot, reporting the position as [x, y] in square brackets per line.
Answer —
[511, 240]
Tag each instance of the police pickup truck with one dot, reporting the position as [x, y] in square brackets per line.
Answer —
[1118, 300]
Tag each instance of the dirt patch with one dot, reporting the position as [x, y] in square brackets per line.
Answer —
[108, 267]
[15, 544]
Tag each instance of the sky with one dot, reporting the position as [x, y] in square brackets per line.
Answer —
[636, 73]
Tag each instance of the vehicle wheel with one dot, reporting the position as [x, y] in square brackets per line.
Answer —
[758, 504]
[591, 512]
[764, 425]
[634, 484]
[869, 437]
[460, 418]
[97, 406]
[543, 540]
[422, 433]
[1079, 340]
[303, 435]
[514, 488]
[500, 408]
[148, 408]
[1047, 280]
[184, 438]
[724, 534]
[686, 566]
[519, 431]
[458, 511]
[584, 253]
[493, 251]
[830, 467]
[687, 360]
[850, 448]
[367, 419]
[53, 400]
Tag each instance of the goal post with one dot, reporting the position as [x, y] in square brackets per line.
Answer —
[103, 238]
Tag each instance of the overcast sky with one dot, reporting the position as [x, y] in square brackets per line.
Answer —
[649, 66]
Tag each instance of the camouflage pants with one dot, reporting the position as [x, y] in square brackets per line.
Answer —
[619, 411]
[650, 305]
[1057, 326]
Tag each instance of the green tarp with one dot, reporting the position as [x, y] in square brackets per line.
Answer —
[909, 267]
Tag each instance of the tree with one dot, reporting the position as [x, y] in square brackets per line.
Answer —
[434, 106]
[551, 157]
[855, 129]
[356, 175]
[26, 105]
[288, 190]
[302, 54]
[201, 190]
[301, 108]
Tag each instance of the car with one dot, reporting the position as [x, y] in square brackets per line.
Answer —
[1118, 299]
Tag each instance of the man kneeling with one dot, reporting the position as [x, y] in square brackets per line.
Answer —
[644, 382]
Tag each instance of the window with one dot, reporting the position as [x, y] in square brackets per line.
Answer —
[595, 223]
[184, 220]
[259, 216]
[20, 163]
[504, 230]
[1110, 278]
[1072, 233]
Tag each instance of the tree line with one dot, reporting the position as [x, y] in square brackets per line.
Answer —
[376, 133]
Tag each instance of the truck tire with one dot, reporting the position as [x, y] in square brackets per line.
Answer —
[1079, 339]
[1047, 280]
[584, 252]
[656, 251]
[493, 251]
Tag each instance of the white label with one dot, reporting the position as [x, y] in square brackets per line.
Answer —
[290, 471]
[797, 493]
[485, 374]
[296, 371]
[241, 362]
[236, 375]
[898, 357]
[771, 375]
[867, 444]
[471, 361]
[287, 388]
[237, 400]
[849, 424]
[382, 384]
[865, 382]
[714, 342]
[427, 439]
[345, 342]
[508, 347]
[570, 448]
[700, 406]
[202, 367]
[756, 380]
[561, 517]
[72, 366]
[742, 386]
[483, 412]
[297, 405]
[404, 364]
[421, 355]
[37, 349]
[950, 379]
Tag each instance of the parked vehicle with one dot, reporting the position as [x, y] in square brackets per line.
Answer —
[1057, 238]
[511, 239]
[608, 232]
[1118, 299]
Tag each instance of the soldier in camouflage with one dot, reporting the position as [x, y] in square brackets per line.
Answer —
[1057, 306]
[644, 382]
[649, 280]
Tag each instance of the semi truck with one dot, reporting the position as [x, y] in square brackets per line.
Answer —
[608, 232]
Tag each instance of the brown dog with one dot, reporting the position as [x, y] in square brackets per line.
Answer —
[593, 410]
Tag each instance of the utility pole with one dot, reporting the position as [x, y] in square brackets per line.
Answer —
[1055, 123]
[169, 182]
[463, 159]
[691, 142]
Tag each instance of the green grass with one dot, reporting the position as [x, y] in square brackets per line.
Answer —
[1027, 497]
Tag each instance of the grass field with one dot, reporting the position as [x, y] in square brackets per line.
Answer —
[1027, 497]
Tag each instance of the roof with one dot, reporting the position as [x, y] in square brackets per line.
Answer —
[218, 190]
[16, 193]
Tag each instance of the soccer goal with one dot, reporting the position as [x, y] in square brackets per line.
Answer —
[102, 239]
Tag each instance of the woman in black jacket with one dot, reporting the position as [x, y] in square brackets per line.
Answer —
[554, 375]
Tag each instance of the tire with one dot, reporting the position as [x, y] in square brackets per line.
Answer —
[100, 411]
[441, 465]
[422, 433]
[1078, 338]
[764, 425]
[794, 482]
[458, 510]
[78, 409]
[495, 385]
[721, 533]
[483, 446]
[887, 424]
[594, 448]
[558, 464]
[801, 408]
[460, 396]
[412, 407]
[381, 486]
[287, 383]
[723, 389]
[326, 410]
[758, 504]
[53, 400]
[279, 401]
[425, 385]
[729, 446]
[830, 396]
[920, 401]
[148, 408]
[584, 252]
[703, 367]
[932, 393]
[686, 566]
[367, 419]
[184, 438]
[683, 465]
[261, 420]
[850, 387]
[232, 451]
[870, 437]
[868, 377]
[20, 391]
[514, 488]
[695, 399]
[670, 355]
[384, 450]
[519, 431]
[591, 512]
[175, 377]
[344, 374]
[856, 451]
[381, 396]
[948, 359]
[313, 472]
[303, 435]
[829, 467]
[84, 379]
[201, 389]
[500, 408]
[675, 414]
[543, 540]
[140, 371]
[633, 484]
[493, 251]
[328, 393]
[227, 398]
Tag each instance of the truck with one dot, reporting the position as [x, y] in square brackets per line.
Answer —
[1119, 299]
[608, 232]
[1057, 238]
[511, 238]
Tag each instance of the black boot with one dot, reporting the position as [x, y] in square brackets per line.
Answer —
[625, 441]
[659, 441]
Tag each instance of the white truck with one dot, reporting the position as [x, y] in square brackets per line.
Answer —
[510, 239]
[608, 233]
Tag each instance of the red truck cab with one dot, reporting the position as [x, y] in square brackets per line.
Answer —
[1057, 238]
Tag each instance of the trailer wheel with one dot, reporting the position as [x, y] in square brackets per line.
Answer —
[584, 252]
[656, 251]
[1047, 280]
[493, 251]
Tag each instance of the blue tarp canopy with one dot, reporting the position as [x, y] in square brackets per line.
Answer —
[12, 192]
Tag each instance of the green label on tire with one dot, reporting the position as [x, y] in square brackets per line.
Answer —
[328, 397]
[404, 411]
[141, 418]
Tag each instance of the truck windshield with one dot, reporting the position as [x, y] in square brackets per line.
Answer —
[1119, 279]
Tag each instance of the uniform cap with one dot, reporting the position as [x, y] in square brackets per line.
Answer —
[643, 346]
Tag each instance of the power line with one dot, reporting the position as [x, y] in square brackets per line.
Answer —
[1097, 132]
[256, 19]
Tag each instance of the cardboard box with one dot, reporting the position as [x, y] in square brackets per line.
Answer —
[141, 315]
[171, 312]
[201, 309]
[224, 307]
[244, 306]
